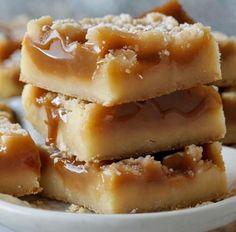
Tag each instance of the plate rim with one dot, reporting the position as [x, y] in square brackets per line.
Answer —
[24, 209]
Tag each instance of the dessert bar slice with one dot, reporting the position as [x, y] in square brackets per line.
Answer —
[229, 106]
[181, 179]
[11, 34]
[175, 9]
[19, 158]
[227, 46]
[9, 76]
[118, 59]
[92, 131]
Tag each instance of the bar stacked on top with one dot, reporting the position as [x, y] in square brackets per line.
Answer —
[121, 102]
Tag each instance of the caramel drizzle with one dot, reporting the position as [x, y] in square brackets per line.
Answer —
[49, 46]
[52, 111]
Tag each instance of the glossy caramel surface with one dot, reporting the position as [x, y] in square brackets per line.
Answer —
[189, 105]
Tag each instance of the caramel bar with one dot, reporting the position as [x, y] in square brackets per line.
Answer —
[92, 131]
[19, 158]
[11, 34]
[118, 59]
[227, 46]
[181, 179]
[9, 76]
[229, 106]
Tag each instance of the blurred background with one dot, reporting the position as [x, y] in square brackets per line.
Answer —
[220, 14]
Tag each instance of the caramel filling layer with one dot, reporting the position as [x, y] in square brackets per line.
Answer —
[190, 104]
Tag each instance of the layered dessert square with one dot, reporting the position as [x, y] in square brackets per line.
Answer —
[19, 158]
[9, 76]
[11, 35]
[118, 59]
[229, 105]
[227, 46]
[180, 179]
[91, 131]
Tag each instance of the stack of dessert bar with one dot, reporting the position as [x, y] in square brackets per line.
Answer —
[128, 121]
[11, 34]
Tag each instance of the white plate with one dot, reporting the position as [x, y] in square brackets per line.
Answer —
[198, 219]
